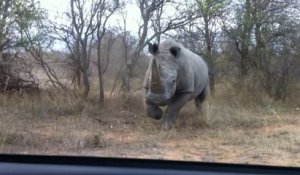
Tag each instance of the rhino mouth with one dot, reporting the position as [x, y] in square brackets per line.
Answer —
[161, 99]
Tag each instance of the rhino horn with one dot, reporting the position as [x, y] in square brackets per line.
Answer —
[155, 82]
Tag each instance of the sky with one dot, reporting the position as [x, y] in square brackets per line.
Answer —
[55, 7]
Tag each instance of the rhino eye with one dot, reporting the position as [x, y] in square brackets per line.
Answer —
[174, 81]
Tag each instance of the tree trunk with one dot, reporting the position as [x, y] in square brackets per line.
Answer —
[259, 47]
[3, 21]
[85, 74]
[100, 74]
[101, 88]
[244, 62]
[133, 58]
[246, 39]
[126, 79]
[130, 65]
[209, 56]
[78, 77]
[86, 83]
[212, 83]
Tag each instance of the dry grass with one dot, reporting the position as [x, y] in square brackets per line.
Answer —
[239, 127]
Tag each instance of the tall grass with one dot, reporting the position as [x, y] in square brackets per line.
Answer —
[70, 123]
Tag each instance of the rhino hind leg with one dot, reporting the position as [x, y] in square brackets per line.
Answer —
[200, 99]
[154, 112]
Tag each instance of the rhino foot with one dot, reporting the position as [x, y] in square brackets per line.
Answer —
[167, 126]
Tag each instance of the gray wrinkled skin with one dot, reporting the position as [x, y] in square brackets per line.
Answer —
[175, 76]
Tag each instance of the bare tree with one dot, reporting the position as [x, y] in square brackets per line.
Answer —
[263, 39]
[79, 35]
[105, 11]
[127, 42]
[157, 21]
[241, 34]
[4, 30]
[147, 9]
[264, 15]
[16, 74]
[211, 12]
[88, 26]
[107, 44]
[24, 25]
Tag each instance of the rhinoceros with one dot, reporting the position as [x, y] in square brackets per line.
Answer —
[175, 76]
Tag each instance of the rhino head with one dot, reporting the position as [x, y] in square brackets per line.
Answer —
[163, 74]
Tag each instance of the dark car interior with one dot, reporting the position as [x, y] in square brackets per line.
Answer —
[58, 165]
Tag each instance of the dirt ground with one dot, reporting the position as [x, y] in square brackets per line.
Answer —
[228, 134]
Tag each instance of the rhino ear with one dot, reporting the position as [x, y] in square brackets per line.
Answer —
[175, 51]
[153, 48]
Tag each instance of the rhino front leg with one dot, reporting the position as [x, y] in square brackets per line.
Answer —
[172, 111]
